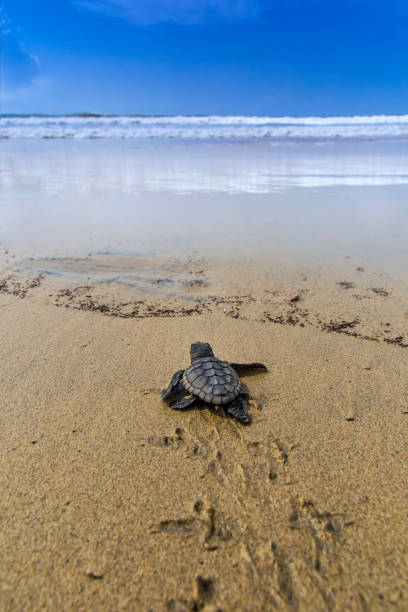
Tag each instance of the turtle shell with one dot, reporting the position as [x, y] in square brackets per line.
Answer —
[212, 380]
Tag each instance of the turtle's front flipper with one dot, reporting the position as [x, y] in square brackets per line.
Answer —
[241, 367]
[183, 403]
[238, 408]
[175, 387]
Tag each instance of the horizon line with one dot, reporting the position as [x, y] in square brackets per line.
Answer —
[96, 115]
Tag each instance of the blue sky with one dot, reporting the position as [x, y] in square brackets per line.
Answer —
[275, 57]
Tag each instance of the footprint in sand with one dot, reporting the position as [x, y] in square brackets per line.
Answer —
[326, 530]
[213, 528]
[172, 441]
[204, 594]
[267, 463]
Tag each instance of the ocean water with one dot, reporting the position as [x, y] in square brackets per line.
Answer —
[210, 128]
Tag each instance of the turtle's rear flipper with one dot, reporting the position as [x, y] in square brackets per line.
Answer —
[238, 409]
[244, 391]
[175, 387]
[241, 367]
[183, 403]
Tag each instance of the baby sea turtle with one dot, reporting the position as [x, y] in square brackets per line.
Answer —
[211, 380]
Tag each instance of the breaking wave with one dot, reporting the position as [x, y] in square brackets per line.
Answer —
[207, 128]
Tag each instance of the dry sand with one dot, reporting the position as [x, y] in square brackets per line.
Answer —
[112, 501]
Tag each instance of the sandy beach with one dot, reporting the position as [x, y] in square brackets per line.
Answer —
[113, 260]
[112, 501]
[229, 174]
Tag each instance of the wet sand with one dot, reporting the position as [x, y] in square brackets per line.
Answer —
[112, 501]
[114, 258]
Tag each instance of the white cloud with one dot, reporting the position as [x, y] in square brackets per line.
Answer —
[19, 66]
[147, 12]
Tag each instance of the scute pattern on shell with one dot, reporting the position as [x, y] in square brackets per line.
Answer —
[212, 380]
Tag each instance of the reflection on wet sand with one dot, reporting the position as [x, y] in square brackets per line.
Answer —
[305, 202]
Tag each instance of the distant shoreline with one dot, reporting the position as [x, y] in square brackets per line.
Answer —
[91, 115]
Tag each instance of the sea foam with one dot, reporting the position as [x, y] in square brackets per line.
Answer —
[208, 128]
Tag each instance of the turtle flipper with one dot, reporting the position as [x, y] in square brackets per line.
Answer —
[244, 391]
[183, 403]
[238, 408]
[175, 387]
[241, 367]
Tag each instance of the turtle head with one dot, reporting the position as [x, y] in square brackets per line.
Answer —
[199, 350]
